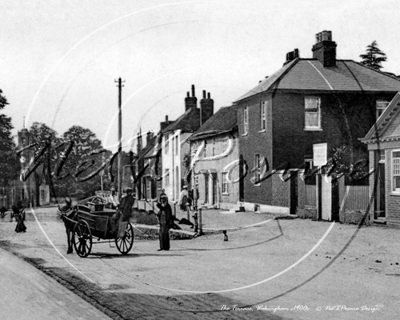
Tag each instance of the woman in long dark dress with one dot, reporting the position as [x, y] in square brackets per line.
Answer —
[20, 217]
[166, 221]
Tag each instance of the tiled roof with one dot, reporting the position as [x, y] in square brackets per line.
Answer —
[147, 149]
[379, 129]
[188, 122]
[224, 120]
[267, 83]
[150, 151]
[310, 74]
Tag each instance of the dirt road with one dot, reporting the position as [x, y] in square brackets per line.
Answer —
[280, 269]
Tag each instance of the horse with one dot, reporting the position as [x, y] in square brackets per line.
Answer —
[68, 216]
[3, 211]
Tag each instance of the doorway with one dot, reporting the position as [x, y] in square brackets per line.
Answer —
[380, 197]
[206, 187]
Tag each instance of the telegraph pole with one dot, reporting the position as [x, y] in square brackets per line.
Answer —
[120, 85]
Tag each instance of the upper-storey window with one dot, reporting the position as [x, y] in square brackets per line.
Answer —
[166, 143]
[246, 120]
[263, 115]
[312, 113]
[177, 144]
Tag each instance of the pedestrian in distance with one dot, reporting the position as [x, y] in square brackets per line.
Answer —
[166, 222]
[20, 211]
[183, 198]
[113, 198]
[162, 194]
[3, 211]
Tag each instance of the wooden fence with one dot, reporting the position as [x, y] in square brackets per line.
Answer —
[355, 197]
[310, 195]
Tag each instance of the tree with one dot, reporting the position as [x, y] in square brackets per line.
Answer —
[85, 146]
[373, 56]
[43, 136]
[349, 162]
[9, 164]
[40, 134]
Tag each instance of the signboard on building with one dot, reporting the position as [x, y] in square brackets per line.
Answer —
[320, 154]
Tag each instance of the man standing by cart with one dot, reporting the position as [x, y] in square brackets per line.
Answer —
[125, 209]
[166, 221]
[126, 204]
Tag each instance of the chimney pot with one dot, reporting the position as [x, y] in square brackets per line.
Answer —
[191, 102]
[206, 108]
[166, 118]
[325, 49]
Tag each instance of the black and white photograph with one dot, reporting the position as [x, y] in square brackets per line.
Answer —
[199, 159]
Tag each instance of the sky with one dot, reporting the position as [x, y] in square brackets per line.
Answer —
[59, 60]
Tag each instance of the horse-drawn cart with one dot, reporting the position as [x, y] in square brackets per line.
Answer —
[102, 224]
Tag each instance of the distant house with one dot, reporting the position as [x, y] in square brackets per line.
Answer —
[383, 141]
[176, 148]
[35, 190]
[215, 158]
[147, 167]
[146, 187]
[308, 101]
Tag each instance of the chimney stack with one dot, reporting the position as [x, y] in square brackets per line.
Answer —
[165, 123]
[191, 101]
[206, 108]
[150, 135]
[325, 49]
[290, 56]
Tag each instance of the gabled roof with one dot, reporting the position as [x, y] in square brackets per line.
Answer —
[224, 120]
[146, 150]
[150, 151]
[310, 74]
[188, 122]
[385, 129]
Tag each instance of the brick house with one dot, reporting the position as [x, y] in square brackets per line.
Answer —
[383, 141]
[176, 147]
[215, 151]
[308, 101]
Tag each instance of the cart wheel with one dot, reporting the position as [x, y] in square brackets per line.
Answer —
[82, 239]
[124, 245]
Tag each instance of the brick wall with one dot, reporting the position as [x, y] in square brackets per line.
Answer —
[256, 142]
[392, 200]
[280, 191]
[344, 119]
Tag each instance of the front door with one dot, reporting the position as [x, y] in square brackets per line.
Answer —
[206, 182]
[214, 189]
[380, 199]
